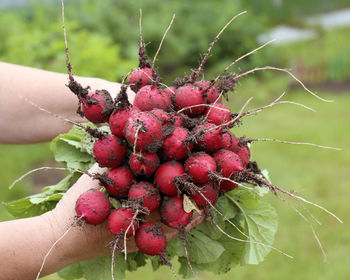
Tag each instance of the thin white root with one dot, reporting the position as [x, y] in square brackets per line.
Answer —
[35, 170]
[294, 143]
[161, 42]
[205, 58]
[286, 71]
[249, 240]
[211, 107]
[126, 232]
[113, 256]
[136, 136]
[54, 244]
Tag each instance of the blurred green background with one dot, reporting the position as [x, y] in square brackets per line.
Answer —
[103, 40]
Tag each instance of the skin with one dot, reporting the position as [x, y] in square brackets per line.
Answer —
[25, 242]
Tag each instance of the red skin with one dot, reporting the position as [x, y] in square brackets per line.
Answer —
[94, 206]
[150, 239]
[118, 120]
[211, 140]
[229, 141]
[186, 96]
[172, 213]
[212, 94]
[218, 114]
[122, 179]
[170, 91]
[174, 146]
[227, 164]
[149, 97]
[176, 120]
[165, 175]
[140, 77]
[146, 194]
[162, 115]
[209, 192]
[109, 151]
[150, 136]
[96, 113]
[145, 165]
[119, 221]
[243, 152]
[198, 166]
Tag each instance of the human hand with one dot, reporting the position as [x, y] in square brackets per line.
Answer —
[91, 241]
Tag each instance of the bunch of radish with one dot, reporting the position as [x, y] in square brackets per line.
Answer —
[171, 152]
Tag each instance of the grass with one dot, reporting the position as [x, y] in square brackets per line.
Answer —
[317, 174]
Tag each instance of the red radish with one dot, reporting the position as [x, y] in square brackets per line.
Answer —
[162, 115]
[208, 191]
[209, 139]
[176, 120]
[170, 91]
[119, 221]
[109, 151]
[147, 129]
[172, 213]
[218, 114]
[165, 174]
[150, 239]
[140, 77]
[149, 97]
[243, 152]
[199, 166]
[118, 119]
[94, 206]
[228, 163]
[122, 179]
[210, 95]
[175, 145]
[97, 106]
[145, 194]
[145, 164]
[229, 141]
[187, 96]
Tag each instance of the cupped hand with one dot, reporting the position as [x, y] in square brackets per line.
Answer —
[92, 241]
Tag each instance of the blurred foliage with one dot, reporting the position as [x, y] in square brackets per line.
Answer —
[291, 11]
[103, 35]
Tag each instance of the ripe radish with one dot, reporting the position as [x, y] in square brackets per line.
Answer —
[210, 95]
[109, 151]
[97, 106]
[208, 139]
[149, 97]
[150, 239]
[145, 194]
[209, 191]
[120, 220]
[145, 164]
[118, 119]
[121, 179]
[162, 115]
[175, 145]
[199, 166]
[187, 96]
[170, 91]
[146, 128]
[172, 213]
[218, 114]
[229, 141]
[94, 206]
[176, 120]
[243, 152]
[227, 164]
[164, 177]
[140, 77]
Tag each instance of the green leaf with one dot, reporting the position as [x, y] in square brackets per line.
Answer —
[100, 268]
[136, 260]
[38, 204]
[202, 249]
[260, 221]
[71, 272]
